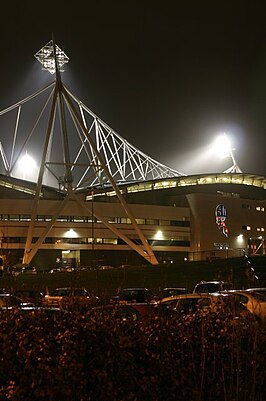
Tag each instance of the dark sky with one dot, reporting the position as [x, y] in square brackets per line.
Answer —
[166, 76]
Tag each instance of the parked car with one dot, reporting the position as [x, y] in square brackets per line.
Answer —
[140, 295]
[21, 268]
[70, 298]
[191, 303]
[105, 267]
[211, 286]
[32, 296]
[142, 299]
[28, 270]
[171, 291]
[10, 301]
[120, 311]
[261, 291]
[56, 270]
[252, 300]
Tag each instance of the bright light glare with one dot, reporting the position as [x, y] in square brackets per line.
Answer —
[27, 168]
[46, 57]
[159, 235]
[70, 233]
[27, 164]
[222, 147]
[240, 238]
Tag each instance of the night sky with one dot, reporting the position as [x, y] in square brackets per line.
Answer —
[168, 77]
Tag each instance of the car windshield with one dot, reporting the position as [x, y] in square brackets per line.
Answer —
[168, 292]
[207, 287]
[261, 296]
[68, 292]
[62, 292]
[10, 300]
[136, 295]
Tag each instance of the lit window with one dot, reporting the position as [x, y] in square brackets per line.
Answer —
[140, 221]
[125, 220]
[110, 241]
[248, 228]
[111, 219]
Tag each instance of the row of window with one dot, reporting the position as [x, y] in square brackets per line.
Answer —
[97, 241]
[258, 208]
[89, 219]
[258, 229]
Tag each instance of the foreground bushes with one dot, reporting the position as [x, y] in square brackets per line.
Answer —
[83, 357]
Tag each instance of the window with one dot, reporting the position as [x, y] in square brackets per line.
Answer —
[25, 217]
[112, 219]
[164, 222]
[79, 219]
[62, 219]
[112, 241]
[248, 228]
[153, 222]
[14, 217]
[125, 220]
[179, 223]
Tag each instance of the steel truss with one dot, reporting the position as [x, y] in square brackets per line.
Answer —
[77, 151]
[124, 161]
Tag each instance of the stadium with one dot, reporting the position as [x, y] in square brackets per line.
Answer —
[93, 199]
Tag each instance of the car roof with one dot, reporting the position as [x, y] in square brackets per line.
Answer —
[241, 292]
[187, 296]
[135, 289]
[211, 282]
[174, 288]
[70, 288]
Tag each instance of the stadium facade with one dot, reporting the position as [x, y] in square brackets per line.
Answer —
[190, 218]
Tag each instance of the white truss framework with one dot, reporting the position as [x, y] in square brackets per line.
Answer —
[76, 150]
[124, 161]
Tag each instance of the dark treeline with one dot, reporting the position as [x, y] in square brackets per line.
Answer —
[86, 357]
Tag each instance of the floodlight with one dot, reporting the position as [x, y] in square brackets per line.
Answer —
[27, 167]
[27, 163]
[223, 148]
[48, 59]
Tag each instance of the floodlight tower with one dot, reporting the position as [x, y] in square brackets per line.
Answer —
[52, 59]
[234, 168]
[223, 148]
